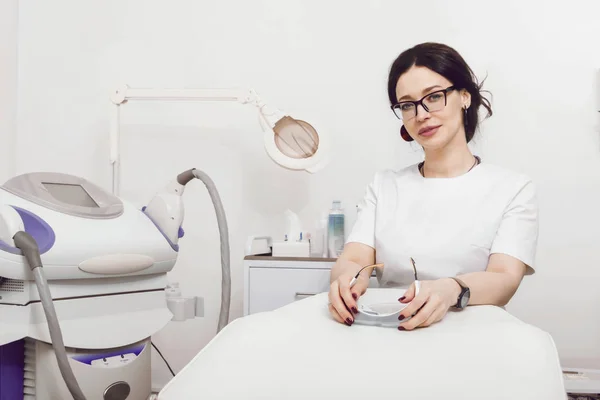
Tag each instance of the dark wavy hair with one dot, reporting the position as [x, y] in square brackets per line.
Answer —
[449, 63]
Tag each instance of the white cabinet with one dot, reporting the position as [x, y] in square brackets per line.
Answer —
[273, 282]
[271, 288]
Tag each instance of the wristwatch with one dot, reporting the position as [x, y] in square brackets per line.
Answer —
[464, 296]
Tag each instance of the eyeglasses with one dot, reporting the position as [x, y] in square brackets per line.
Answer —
[435, 101]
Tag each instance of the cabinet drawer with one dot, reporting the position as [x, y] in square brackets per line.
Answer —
[271, 288]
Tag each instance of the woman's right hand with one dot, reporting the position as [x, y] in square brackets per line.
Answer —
[342, 298]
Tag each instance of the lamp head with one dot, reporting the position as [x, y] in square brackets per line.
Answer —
[292, 143]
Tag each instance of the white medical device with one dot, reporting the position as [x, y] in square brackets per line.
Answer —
[83, 275]
[105, 263]
[381, 312]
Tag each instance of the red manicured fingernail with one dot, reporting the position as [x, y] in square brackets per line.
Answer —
[349, 321]
[354, 296]
[401, 328]
[401, 298]
[401, 317]
[354, 310]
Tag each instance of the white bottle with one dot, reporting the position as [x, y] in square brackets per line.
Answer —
[319, 241]
[335, 230]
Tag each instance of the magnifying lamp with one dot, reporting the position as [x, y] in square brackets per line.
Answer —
[292, 143]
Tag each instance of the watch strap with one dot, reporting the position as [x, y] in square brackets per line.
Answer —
[460, 283]
[463, 288]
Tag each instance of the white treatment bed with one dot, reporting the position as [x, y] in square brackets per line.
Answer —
[299, 352]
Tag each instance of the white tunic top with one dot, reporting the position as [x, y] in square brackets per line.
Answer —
[449, 226]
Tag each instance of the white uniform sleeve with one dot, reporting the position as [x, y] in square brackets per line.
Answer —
[363, 230]
[517, 234]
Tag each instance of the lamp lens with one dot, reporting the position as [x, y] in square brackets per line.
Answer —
[296, 138]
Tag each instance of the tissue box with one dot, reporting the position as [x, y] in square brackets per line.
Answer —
[291, 249]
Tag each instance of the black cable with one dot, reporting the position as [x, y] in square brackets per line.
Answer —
[161, 356]
[414, 268]
[366, 266]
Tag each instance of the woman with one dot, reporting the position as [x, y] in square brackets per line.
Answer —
[470, 227]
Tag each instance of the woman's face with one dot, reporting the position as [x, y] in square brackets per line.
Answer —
[443, 123]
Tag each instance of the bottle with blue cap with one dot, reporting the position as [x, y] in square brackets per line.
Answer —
[335, 230]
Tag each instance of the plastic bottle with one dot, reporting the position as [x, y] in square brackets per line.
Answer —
[319, 241]
[335, 230]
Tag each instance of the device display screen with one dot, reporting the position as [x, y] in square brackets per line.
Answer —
[70, 194]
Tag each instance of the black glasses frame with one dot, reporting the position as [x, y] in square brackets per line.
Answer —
[416, 103]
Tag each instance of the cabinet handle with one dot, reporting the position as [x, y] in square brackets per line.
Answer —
[302, 295]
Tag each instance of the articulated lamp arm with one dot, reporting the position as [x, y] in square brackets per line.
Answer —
[291, 143]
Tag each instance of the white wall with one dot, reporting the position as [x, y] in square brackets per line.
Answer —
[327, 62]
[9, 17]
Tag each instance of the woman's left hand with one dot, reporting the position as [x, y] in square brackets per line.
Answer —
[430, 305]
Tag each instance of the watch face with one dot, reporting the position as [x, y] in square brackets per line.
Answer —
[465, 299]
